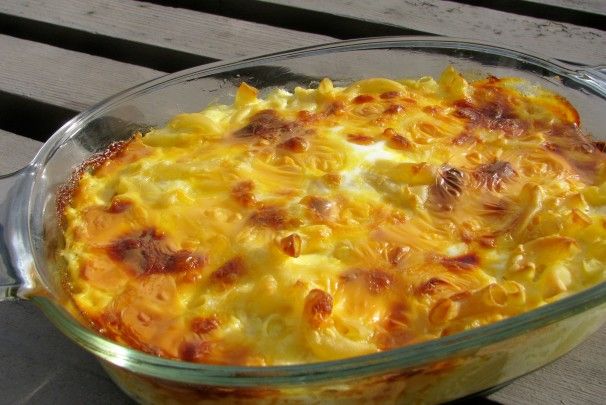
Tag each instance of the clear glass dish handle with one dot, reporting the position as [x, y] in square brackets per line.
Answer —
[595, 76]
[16, 264]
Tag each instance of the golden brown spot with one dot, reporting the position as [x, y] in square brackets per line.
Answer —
[396, 330]
[378, 281]
[148, 253]
[360, 139]
[396, 140]
[119, 205]
[197, 351]
[389, 132]
[230, 272]
[398, 217]
[335, 108]
[394, 109]
[494, 111]
[497, 208]
[318, 307]
[571, 114]
[464, 262]
[512, 126]
[267, 125]
[447, 188]
[464, 139]
[397, 317]
[270, 217]
[242, 192]
[295, 144]
[363, 98]
[431, 286]
[291, 245]
[493, 175]
[108, 323]
[429, 128]
[443, 311]
[67, 190]
[375, 281]
[306, 116]
[487, 241]
[431, 110]
[184, 260]
[399, 142]
[203, 326]
[332, 180]
[388, 95]
[571, 143]
[397, 255]
[552, 147]
[321, 207]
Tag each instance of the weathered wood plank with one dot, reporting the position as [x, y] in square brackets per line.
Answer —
[189, 31]
[63, 78]
[44, 367]
[297, 19]
[576, 378]
[16, 151]
[562, 11]
[590, 6]
[552, 39]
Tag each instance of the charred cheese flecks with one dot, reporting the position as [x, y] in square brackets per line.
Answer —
[333, 222]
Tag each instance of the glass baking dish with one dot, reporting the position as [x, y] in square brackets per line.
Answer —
[436, 371]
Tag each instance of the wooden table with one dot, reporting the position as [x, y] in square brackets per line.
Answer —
[60, 56]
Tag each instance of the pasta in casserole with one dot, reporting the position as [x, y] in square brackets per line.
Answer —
[333, 222]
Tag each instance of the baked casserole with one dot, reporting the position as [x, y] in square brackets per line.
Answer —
[333, 222]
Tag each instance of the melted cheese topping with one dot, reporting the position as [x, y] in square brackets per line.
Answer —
[333, 222]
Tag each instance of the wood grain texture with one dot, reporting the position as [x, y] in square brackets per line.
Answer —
[561, 11]
[15, 152]
[576, 378]
[184, 30]
[591, 6]
[64, 78]
[552, 39]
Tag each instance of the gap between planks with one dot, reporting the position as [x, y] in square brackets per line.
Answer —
[554, 11]
[38, 80]
[129, 23]
[589, 6]
[567, 42]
